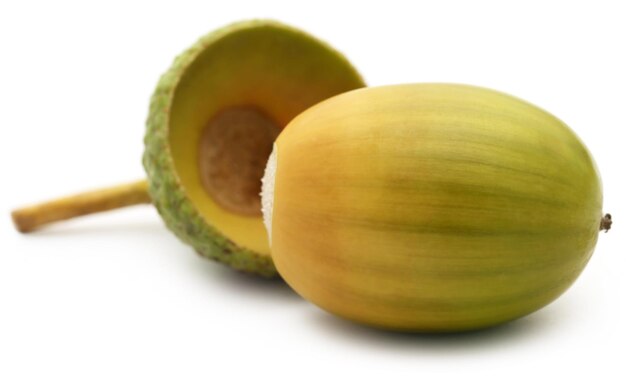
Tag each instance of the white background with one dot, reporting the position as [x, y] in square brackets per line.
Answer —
[117, 296]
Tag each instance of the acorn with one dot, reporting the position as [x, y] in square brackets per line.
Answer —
[430, 207]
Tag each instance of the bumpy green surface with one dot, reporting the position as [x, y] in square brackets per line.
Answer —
[165, 187]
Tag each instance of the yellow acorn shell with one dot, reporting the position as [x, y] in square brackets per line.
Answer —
[430, 207]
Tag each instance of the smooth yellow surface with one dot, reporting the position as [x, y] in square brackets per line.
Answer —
[272, 68]
[432, 207]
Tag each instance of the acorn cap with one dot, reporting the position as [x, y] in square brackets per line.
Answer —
[212, 122]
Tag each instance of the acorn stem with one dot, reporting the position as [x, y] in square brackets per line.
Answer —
[605, 223]
[30, 218]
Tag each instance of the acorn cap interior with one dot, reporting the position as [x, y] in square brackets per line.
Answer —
[229, 106]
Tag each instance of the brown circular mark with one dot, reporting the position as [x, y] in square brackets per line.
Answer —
[234, 148]
[606, 222]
